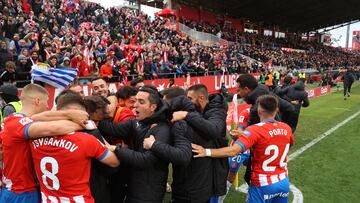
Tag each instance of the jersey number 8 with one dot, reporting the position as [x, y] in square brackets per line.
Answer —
[50, 174]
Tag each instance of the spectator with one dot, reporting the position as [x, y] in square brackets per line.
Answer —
[9, 94]
[53, 61]
[137, 83]
[106, 70]
[5, 55]
[23, 68]
[100, 87]
[8, 75]
[34, 58]
[21, 44]
[66, 63]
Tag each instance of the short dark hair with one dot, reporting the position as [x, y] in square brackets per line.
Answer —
[94, 102]
[126, 92]
[247, 80]
[268, 102]
[200, 88]
[302, 80]
[97, 78]
[154, 96]
[63, 93]
[136, 81]
[68, 99]
[173, 92]
[287, 80]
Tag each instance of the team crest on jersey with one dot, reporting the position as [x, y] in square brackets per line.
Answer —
[25, 121]
[247, 133]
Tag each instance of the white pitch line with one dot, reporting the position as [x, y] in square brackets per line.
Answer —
[322, 136]
[343, 109]
[298, 197]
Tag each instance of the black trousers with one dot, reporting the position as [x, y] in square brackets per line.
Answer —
[347, 87]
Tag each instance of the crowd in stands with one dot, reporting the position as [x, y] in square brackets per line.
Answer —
[119, 43]
[264, 48]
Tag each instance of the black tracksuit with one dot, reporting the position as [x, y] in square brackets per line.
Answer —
[210, 125]
[99, 176]
[193, 179]
[349, 79]
[148, 173]
[291, 93]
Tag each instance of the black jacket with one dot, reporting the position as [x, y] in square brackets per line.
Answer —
[285, 107]
[193, 181]
[99, 176]
[295, 92]
[211, 126]
[179, 152]
[291, 93]
[148, 173]
[6, 76]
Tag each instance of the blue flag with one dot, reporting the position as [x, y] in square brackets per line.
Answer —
[57, 77]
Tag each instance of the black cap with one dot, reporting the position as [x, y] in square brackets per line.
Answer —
[9, 89]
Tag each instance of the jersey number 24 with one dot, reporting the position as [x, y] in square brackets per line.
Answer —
[275, 150]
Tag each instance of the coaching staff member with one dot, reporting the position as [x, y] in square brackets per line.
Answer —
[148, 174]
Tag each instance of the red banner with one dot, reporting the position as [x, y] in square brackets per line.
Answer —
[213, 83]
[356, 40]
[318, 91]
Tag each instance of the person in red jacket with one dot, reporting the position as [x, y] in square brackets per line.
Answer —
[78, 63]
[26, 7]
[126, 101]
[106, 69]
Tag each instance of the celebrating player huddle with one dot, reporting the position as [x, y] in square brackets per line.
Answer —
[184, 128]
[62, 163]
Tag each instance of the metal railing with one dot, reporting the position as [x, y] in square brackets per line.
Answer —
[22, 83]
[203, 37]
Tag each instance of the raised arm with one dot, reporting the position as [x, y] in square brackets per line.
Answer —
[76, 116]
[50, 128]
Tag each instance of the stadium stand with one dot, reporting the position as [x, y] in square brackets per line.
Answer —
[120, 44]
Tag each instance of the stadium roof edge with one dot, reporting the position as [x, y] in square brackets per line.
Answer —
[292, 16]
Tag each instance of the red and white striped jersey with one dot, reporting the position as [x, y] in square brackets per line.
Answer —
[62, 166]
[270, 142]
[18, 166]
[244, 112]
